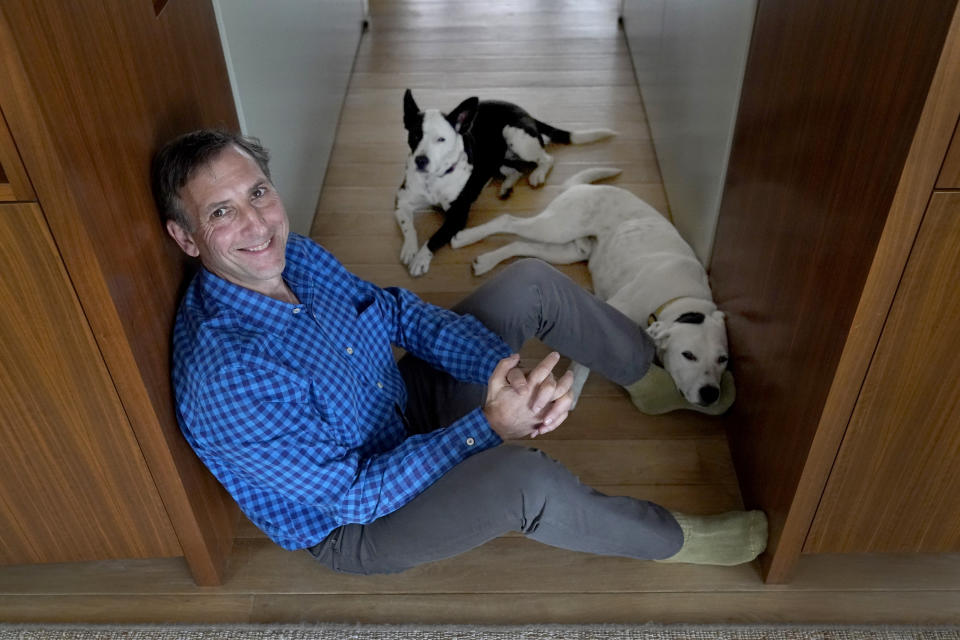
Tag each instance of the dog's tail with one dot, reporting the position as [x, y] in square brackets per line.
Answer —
[560, 136]
[591, 175]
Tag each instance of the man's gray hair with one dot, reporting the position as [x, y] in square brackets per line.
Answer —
[177, 162]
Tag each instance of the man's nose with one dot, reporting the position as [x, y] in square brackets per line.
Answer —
[253, 217]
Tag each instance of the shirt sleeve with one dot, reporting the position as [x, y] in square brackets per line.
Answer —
[461, 345]
[263, 428]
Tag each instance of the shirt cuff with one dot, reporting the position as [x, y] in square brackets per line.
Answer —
[474, 432]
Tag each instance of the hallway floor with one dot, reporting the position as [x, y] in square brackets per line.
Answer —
[566, 61]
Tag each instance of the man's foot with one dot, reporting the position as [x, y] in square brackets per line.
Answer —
[725, 539]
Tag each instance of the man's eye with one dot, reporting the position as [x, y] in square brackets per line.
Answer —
[721, 359]
[218, 213]
[259, 192]
[689, 356]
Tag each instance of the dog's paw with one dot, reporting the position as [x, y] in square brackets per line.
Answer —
[461, 239]
[408, 251]
[421, 262]
[538, 176]
[483, 263]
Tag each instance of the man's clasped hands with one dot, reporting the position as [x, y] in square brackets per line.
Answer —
[518, 405]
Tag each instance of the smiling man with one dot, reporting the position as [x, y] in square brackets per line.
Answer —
[287, 389]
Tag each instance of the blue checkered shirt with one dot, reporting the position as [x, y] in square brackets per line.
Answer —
[294, 407]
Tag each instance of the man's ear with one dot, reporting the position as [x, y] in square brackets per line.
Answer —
[183, 238]
[411, 112]
[659, 332]
[461, 118]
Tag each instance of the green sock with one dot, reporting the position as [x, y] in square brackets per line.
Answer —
[726, 539]
[656, 393]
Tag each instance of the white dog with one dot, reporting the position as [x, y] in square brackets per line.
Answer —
[639, 264]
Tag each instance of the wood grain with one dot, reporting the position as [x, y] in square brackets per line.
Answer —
[808, 188]
[895, 486]
[75, 485]
[14, 183]
[88, 158]
[950, 173]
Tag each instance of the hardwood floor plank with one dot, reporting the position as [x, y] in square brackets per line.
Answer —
[472, 62]
[479, 82]
[895, 607]
[504, 565]
[126, 608]
[371, 48]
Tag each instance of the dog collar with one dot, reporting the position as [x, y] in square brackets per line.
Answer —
[456, 162]
[653, 316]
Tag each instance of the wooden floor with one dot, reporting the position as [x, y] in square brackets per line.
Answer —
[567, 62]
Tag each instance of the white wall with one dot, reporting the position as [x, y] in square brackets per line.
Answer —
[689, 57]
[289, 63]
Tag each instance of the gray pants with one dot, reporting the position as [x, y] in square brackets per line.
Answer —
[513, 488]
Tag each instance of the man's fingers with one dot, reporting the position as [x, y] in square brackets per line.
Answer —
[558, 411]
[540, 372]
[498, 379]
[517, 380]
[543, 394]
[563, 385]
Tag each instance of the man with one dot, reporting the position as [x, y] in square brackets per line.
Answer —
[287, 389]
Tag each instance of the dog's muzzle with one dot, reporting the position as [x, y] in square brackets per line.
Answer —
[708, 394]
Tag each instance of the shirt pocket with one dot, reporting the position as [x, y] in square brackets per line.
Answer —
[372, 340]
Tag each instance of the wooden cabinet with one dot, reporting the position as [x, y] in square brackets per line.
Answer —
[895, 485]
[835, 258]
[91, 460]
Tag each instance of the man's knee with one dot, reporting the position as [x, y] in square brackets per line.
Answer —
[532, 271]
[527, 470]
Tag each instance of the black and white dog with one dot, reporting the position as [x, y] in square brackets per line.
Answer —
[453, 156]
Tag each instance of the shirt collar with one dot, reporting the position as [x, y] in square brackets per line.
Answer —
[256, 308]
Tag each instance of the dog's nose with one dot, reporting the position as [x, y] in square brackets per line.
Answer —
[709, 394]
[422, 162]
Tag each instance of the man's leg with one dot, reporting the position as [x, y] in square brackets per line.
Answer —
[514, 488]
[531, 299]
[508, 488]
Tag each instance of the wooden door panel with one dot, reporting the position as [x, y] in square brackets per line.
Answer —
[896, 482]
[73, 482]
[14, 184]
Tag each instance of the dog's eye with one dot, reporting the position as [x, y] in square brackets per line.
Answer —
[689, 356]
[721, 359]
[441, 139]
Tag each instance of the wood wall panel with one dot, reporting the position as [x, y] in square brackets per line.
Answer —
[75, 483]
[14, 184]
[809, 184]
[950, 174]
[907, 415]
[90, 89]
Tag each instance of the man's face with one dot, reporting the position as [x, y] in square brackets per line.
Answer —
[238, 226]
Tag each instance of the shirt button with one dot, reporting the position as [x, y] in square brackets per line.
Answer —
[349, 351]
[379, 385]
[296, 309]
[471, 442]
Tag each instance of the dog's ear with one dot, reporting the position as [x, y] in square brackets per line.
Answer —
[411, 112]
[461, 118]
[659, 332]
